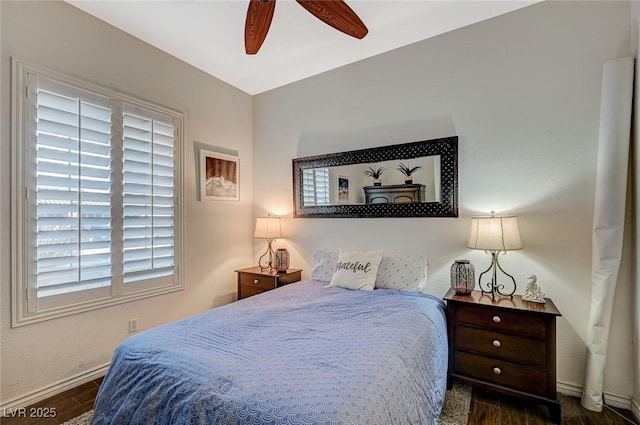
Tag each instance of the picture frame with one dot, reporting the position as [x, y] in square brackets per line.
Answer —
[219, 176]
[342, 189]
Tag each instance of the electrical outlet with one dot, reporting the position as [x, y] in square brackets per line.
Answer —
[133, 325]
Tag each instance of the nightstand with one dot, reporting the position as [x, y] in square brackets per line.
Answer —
[505, 345]
[253, 281]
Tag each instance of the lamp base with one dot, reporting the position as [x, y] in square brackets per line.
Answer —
[269, 261]
[493, 287]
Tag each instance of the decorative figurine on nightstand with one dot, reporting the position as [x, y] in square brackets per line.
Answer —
[533, 292]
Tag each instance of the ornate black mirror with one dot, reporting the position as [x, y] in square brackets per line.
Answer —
[418, 179]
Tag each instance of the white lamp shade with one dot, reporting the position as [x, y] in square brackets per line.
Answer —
[268, 228]
[494, 234]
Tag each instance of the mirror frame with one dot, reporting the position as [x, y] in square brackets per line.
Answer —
[446, 147]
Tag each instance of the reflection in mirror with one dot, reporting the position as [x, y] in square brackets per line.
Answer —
[416, 179]
[353, 184]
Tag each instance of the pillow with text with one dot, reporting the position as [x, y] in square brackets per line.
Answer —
[357, 270]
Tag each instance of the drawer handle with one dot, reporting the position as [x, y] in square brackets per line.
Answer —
[497, 370]
[496, 343]
[496, 319]
[256, 281]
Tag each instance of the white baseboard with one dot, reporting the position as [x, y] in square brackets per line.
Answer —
[569, 389]
[615, 400]
[635, 409]
[54, 389]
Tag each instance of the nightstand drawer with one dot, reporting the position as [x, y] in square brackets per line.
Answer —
[501, 372]
[258, 281]
[500, 345]
[501, 320]
[249, 291]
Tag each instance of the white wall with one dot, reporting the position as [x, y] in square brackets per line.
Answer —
[522, 92]
[635, 172]
[39, 358]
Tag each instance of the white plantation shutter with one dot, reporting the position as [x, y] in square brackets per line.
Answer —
[148, 196]
[72, 190]
[96, 202]
[315, 186]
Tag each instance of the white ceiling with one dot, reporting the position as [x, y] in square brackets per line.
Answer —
[209, 34]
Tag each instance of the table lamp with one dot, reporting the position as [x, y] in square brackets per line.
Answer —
[269, 229]
[495, 235]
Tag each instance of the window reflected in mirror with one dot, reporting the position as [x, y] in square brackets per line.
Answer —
[316, 188]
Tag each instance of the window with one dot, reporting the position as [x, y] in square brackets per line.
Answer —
[96, 196]
[315, 186]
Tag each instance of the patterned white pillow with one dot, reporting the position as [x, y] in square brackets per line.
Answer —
[324, 264]
[357, 270]
[402, 272]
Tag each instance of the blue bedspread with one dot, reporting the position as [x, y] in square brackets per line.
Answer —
[301, 354]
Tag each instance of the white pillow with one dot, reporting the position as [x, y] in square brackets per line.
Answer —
[357, 270]
[402, 272]
[324, 264]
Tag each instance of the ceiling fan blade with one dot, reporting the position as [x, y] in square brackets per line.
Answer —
[256, 26]
[337, 14]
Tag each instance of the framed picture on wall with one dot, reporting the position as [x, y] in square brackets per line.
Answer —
[343, 189]
[219, 176]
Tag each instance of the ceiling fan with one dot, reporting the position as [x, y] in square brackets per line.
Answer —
[335, 13]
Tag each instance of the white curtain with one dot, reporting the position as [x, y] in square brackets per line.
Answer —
[608, 218]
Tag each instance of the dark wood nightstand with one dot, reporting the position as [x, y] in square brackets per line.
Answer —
[507, 345]
[253, 281]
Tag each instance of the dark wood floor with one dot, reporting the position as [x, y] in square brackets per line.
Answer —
[62, 407]
[489, 408]
[486, 409]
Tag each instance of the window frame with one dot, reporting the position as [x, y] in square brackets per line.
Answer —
[21, 138]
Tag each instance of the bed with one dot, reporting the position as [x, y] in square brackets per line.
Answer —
[305, 353]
